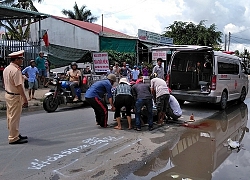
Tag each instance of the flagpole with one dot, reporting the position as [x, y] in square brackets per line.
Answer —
[40, 35]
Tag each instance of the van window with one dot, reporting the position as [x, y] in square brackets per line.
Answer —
[228, 68]
[190, 61]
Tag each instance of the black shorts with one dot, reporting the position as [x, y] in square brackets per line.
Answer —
[121, 101]
[162, 102]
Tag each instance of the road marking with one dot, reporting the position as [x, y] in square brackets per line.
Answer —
[58, 172]
[104, 161]
[38, 164]
[124, 147]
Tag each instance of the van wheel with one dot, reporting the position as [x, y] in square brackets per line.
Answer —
[223, 100]
[243, 95]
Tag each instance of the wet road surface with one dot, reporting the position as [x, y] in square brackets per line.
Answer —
[202, 152]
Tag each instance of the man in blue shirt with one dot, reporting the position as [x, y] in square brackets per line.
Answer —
[31, 73]
[94, 96]
[40, 63]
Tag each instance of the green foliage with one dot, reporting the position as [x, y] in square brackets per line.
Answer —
[15, 27]
[114, 56]
[81, 14]
[191, 34]
[15, 32]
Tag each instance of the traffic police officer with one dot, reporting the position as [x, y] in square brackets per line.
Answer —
[15, 96]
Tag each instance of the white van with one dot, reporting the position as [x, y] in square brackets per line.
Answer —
[199, 74]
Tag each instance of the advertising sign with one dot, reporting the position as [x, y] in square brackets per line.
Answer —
[159, 54]
[153, 37]
[101, 62]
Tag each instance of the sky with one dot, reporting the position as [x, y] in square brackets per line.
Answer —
[128, 16]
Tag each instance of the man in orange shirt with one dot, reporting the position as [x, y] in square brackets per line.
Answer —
[15, 97]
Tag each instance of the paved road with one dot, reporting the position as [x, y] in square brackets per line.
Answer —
[68, 145]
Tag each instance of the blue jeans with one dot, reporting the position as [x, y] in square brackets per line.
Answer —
[138, 105]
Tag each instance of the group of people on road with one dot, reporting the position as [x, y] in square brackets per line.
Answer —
[133, 95]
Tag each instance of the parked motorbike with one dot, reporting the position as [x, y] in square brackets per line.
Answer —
[61, 93]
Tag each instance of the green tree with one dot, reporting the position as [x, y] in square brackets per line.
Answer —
[191, 34]
[16, 32]
[81, 14]
[119, 57]
[15, 26]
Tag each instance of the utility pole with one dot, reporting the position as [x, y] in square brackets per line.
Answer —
[225, 42]
[229, 39]
[102, 22]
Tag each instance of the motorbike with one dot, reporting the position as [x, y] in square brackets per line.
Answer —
[61, 92]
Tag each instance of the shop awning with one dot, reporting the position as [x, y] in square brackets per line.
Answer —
[62, 56]
[7, 12]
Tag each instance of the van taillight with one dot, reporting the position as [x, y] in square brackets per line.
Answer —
[167, 79]
[84, 80]
[213, 84]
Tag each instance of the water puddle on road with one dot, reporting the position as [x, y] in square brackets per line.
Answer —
[202, 152]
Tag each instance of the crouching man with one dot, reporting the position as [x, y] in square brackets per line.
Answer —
[174, 110]
[94, 96]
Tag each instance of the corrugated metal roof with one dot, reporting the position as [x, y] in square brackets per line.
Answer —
[181, 48]
[7, 12]
[95, 28]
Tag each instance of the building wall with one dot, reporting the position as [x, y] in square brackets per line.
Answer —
[65, 34]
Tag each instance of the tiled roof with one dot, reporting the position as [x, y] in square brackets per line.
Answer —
[95, 28]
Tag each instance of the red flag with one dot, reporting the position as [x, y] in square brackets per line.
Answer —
[46, 39]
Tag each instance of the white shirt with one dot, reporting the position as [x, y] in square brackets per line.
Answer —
[175, 106]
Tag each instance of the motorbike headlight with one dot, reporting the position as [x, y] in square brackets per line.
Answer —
[54, 82]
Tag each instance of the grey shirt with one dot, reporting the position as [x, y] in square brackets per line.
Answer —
[159, 71]
[141, 91]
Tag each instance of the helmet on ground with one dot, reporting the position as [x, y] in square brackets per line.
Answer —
[154, 75]
[111, 77]
[73, 64]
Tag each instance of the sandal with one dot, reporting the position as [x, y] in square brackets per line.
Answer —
[137, 129]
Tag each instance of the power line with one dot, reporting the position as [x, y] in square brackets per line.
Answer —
[241, 38]
[243, 30]
[246, 45]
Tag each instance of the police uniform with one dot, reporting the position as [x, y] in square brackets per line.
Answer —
[13, 77]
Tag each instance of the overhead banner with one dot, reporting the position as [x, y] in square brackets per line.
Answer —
[159, 54]
[154, 37]
[101, 62]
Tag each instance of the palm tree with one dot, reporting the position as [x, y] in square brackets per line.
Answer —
[16, 32]
[80, 14]
[23, 4]
[14, 27]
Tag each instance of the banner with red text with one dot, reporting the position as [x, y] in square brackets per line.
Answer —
[101, 62]
[159, 54]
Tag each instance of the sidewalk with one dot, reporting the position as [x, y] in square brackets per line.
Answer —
[39, 95]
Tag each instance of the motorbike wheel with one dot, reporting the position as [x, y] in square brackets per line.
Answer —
[50, 104]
